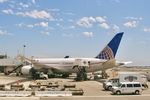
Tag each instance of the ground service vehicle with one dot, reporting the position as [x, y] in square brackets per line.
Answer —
[127, 88]
[126, 77]
[41, 75]
[107, 85]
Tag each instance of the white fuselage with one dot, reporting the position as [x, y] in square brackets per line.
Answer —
[67, 64]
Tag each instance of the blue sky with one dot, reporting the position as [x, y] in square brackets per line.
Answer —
[79, 28]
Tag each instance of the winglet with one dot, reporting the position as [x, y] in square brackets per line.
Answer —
[109, 52]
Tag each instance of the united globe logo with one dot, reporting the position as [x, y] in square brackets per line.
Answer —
[106, 53]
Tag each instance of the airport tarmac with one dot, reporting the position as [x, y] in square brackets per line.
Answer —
[92, 90]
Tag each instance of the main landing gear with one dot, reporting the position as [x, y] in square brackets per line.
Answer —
[81, 74]
[104, 74]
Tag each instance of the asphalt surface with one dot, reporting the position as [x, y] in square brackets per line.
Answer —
[92, 90]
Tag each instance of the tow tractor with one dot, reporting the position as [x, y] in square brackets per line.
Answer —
[40, 75]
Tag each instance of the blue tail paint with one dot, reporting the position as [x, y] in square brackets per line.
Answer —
[109, 52]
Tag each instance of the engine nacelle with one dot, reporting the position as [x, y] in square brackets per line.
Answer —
[26, 70]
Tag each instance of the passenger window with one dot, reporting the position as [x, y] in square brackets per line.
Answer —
[123, 85]
[137, 85]
[129, 85]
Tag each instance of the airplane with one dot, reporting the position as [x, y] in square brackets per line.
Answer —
[81, 66]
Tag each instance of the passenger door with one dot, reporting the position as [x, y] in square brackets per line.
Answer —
[123, 88]
[130, 88]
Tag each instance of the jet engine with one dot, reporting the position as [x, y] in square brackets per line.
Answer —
[26, 70]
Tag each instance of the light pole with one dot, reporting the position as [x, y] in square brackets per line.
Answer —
[24, 46]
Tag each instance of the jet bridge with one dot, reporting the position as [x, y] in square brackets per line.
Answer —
[9, 65]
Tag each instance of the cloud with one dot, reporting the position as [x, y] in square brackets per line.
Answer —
[36, 14]
[69, 13]
[33, 1]
[45, 32]
[25, 25]
[116, 1]
[20, 24]
[8, 11]
[29, 26]
[70, 20]
[42, 24]
[72, 27]
[115, 28]
[86, 22]
[146, 30]
[100, 19]
[2, 1]
[55, 10]
[131, 24]
[134, 18]
[23, 5]
[104, 25]
[33, 14]
[68, 35]
[88, 34]
[65, 27]
[2, 33]
[103, 22]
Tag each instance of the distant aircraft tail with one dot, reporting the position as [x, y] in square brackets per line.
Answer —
[109, 52]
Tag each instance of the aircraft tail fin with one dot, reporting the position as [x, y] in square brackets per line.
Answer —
[109, 52]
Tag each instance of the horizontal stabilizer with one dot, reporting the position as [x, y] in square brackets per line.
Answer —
[123, 63]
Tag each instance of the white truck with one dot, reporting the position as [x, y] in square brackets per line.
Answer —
[125, 77]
